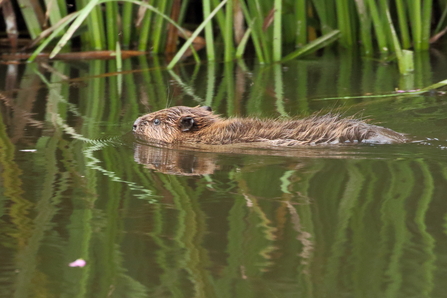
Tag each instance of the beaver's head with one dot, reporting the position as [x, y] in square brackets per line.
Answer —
[172, 124]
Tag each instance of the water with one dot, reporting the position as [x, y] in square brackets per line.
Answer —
[335, 221]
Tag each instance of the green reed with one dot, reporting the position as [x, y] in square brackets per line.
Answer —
[301, 22]
[276, 29]
[33, 16]
[209, 36]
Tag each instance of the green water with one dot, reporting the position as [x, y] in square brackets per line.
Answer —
[335, 221]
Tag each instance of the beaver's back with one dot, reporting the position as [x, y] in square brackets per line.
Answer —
[328, 129]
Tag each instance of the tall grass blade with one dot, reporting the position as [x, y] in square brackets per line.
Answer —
[378, 27]
[254, 9]
[126, 29]
[301, 22]
[326, 15]
[111, 23]
[277, 32]
[228, 32]
[57, 29]
[95, 23]
[314, 45]
[183, 8]
[194, 35]
[254, 33]
[344, 23]
[164, 16]
[365, 27]
[54, 11]
[62, 6]
[434, 86]
[405, 62]
[32, 15]
[220, 16]
[416, 23]
[241, 47]
[403, 23]
[83, 14]
[143, 41]
[159, 29]
[426, 23]
[209, 36]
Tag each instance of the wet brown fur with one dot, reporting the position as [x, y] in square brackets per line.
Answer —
[200, 125]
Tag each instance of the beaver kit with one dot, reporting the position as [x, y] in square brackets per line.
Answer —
[199, 125]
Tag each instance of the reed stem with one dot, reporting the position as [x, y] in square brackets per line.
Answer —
[365, 27]
[127, 19]
[301, 22]
[33, 17]
[277, 37]
[159, 29]
[403, 23]
[254, 33]
[111, 23]
[228, 33]
[426, 23]
[145, 29]
[344, 23]
[209, 36]
[378, 27]
[416, 23]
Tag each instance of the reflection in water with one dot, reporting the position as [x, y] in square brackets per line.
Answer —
[341, 221]
[171, 161]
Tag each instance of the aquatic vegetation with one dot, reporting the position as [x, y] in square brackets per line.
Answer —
[273, 31]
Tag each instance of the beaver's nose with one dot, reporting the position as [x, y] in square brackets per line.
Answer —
[135, 124]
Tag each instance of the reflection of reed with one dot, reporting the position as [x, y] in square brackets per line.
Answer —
[347, 202]
[303, 236]
[27, 257]
[427, 276]
[393, 217]
[12, 184]
[188, 236]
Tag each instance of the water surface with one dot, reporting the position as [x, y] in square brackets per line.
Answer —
[324, 221]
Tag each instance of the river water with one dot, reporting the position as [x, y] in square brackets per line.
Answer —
[321, 221]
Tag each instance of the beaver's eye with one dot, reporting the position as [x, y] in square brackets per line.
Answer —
[157, 121]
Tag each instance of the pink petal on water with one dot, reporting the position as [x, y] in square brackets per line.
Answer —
[78, 263]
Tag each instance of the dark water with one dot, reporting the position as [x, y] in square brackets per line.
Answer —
[335, 221]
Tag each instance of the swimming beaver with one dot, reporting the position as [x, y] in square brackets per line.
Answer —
[200, 125]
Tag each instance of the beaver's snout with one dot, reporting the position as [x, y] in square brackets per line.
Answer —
[135, 124]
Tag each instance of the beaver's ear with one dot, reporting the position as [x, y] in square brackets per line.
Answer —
[186, 123]
[209, 109]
